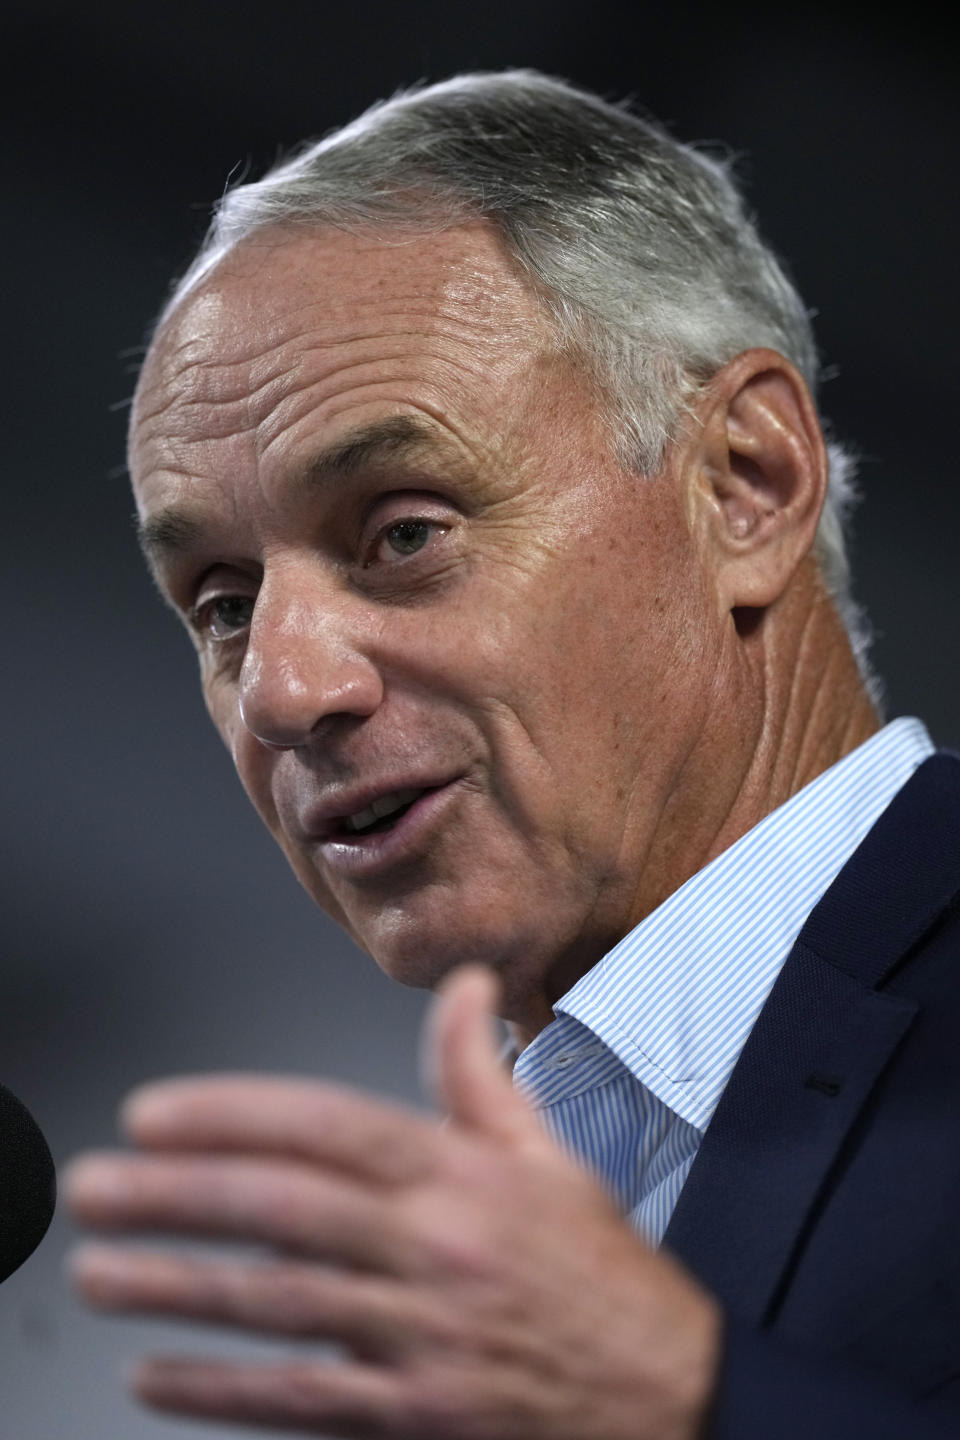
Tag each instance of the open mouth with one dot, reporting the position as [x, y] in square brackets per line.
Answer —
[383, 814]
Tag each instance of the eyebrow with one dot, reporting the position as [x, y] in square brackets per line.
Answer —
[396, 437]
[170, 532]
[176, 531]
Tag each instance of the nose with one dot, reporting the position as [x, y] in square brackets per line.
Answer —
[304, 663]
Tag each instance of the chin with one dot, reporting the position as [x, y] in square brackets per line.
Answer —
[423, 965]
[420, 955]
[418, 948]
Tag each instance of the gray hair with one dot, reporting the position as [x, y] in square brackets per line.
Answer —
[639, 247]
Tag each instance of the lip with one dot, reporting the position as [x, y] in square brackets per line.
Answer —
[353, 856]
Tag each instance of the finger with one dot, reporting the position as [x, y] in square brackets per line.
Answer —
[336, 1126]
[462, 1059]
[349, 1400]
[375, 1317]
[278, 1203]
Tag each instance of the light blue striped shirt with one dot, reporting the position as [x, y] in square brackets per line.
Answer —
[629, 1073]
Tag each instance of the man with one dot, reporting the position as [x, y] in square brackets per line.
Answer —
[478, 454]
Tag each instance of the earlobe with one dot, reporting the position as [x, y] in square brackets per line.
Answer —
[763, 476]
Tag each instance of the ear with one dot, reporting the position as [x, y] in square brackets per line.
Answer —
[759, 476]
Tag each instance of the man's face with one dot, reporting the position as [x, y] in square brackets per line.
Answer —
[461, 658]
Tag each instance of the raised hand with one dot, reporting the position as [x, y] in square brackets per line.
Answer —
[480, 1285]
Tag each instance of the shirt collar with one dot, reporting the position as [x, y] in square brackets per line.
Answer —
[675, 1000]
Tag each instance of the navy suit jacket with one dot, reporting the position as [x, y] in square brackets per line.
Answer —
[823, 1208]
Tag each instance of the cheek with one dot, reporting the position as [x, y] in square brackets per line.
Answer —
[621, 670]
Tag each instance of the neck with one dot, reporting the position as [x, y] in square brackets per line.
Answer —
[791, 703]
[814, 703]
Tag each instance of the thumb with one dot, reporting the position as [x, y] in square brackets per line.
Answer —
[462, 1063]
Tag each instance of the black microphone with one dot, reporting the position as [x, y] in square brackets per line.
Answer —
[28, 1183]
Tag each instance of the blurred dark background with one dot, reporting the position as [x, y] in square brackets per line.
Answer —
[146, 925]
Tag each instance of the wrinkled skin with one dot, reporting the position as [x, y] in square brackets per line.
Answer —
[392, 520]
[552, 651]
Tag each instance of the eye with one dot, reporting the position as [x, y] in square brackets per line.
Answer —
[404, 538]
[224, 616]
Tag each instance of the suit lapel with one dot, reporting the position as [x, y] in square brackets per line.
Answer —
[812, 1058]
[820, 1044]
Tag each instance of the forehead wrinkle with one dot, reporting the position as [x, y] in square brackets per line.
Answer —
[436, 389]
[214, 363]
[442, 351]
[468, 303]
[214, 352]
[223, 346]
[213, 388]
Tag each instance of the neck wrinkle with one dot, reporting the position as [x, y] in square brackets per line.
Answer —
[797, 675]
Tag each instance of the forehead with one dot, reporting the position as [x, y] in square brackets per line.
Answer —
[322, 322]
